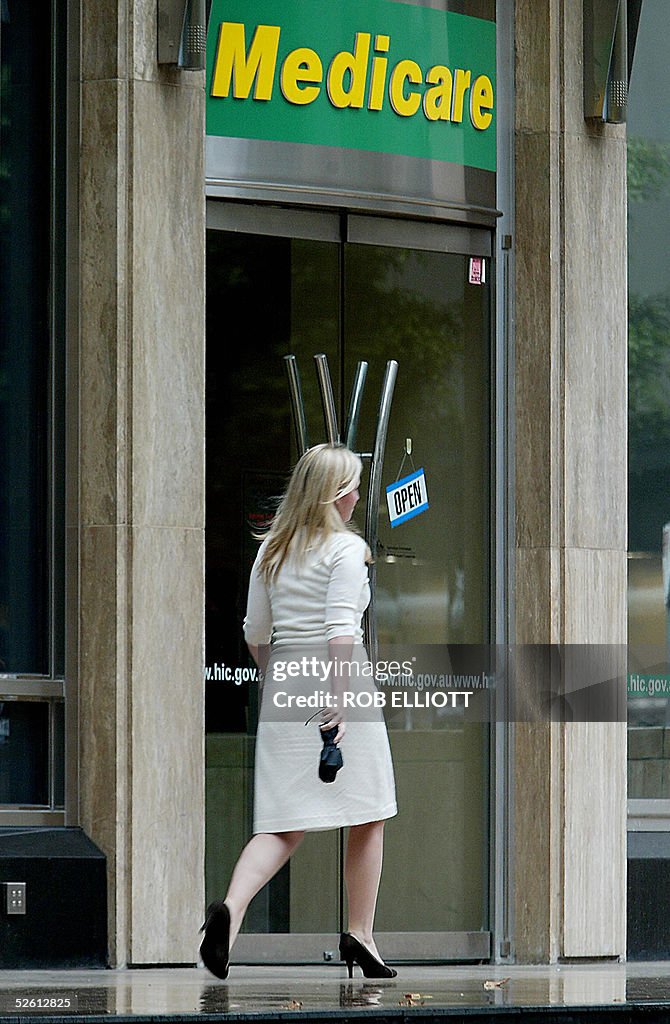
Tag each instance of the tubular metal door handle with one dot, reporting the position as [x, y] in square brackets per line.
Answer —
[351, 429]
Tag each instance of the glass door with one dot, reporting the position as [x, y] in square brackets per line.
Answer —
[432, 572]
[357, 289]
[278, 295]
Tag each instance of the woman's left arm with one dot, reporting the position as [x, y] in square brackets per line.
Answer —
[258, 620]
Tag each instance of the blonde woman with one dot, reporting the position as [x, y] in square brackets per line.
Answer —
[309, 586]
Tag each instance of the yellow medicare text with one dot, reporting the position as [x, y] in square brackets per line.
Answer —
[357, 78]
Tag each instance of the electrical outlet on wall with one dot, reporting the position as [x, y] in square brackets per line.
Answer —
[15, 897]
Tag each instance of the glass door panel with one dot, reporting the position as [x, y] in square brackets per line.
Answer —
[432, 572]
[266, 296]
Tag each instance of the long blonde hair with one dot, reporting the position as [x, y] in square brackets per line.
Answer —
[307, 515]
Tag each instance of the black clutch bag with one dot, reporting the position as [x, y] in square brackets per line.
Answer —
[330, 760]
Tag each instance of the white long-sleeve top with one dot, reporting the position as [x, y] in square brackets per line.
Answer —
[323, 597]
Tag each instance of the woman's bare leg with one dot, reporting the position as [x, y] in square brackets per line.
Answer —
[260, 860]
[363, 868]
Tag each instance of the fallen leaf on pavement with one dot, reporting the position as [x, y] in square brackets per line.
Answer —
[413, 999]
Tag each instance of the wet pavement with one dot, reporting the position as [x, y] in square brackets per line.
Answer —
[596, 992]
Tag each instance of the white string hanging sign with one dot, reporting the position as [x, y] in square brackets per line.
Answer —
[408, 496]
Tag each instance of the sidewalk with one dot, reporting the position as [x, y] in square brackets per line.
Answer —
[593, 992]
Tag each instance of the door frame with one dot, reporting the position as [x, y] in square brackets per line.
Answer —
[461, 239]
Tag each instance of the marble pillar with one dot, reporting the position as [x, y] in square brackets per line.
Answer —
[570, 426]
[141, 481]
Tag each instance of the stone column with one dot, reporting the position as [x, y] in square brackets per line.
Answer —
[570, 421]
[141, 481]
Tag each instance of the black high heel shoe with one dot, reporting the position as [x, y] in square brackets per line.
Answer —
[352, 951]
[214, 949]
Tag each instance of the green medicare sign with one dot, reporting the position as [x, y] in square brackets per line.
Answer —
[356, 74]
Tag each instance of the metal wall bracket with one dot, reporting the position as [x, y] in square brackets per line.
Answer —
[610, 30]
[350, 432]
[182, 33]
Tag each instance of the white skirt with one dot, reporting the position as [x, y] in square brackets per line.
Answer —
[288, 793]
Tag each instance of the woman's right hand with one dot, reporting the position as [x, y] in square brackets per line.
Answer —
[330, 718]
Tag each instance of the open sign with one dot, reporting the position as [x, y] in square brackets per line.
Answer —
[407, 498]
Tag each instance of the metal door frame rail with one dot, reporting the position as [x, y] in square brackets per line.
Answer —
[376, 456]
[315, 947]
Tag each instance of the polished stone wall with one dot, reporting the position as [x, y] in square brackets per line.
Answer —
[140, 550]
[570, 434]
